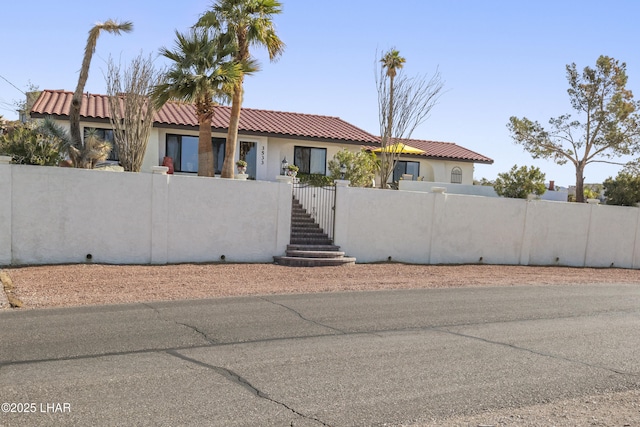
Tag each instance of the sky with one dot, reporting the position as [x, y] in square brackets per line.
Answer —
[497, 58]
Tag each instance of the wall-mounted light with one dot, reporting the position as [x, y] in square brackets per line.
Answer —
[285, 165]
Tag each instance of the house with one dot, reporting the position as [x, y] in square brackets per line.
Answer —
[265, 139]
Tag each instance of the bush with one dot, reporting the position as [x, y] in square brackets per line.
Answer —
[624, 190]
[518, 183]
[28, 144]
[360, 167]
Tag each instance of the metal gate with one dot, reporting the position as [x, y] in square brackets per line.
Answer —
[319, 202]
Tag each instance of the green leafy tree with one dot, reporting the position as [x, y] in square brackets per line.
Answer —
[624, 190]
[242, 23]
[202, 73]
[611, 126]
[360, 167]
[81, 153]
[30, 144]
[518, 183]
[484, 182]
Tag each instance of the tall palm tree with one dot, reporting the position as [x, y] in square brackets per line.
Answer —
[242, 23]
[76, 101]
[202, 72]
[391, 61]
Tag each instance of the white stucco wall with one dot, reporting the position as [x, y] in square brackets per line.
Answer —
[61, 215]
[472, 190]
[6, 216]
[434, 228]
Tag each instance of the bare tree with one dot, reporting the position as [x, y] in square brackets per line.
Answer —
[403, 104]
[131, 112]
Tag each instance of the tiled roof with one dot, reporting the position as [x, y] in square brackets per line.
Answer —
[274, 123]
[57, 103]
[447, 150]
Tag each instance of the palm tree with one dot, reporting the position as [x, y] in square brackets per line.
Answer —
[242, 23]
[76, 101]
[202, 72]
[392, 61]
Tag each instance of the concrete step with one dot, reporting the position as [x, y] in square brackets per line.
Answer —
[302, 218]
[310, 241]
[303, 227]
[315, 254]
[297, 231]
[300, 247]
[311, 232]
[313, 262]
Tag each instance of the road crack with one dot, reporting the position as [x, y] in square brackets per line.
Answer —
[537, 353]
[243, 382]
[186, 325]
[297, 313]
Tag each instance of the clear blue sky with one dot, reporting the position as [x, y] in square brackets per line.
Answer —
[497, 58]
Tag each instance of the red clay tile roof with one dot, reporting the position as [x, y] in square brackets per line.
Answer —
[274, 123]
[444, 150]
[56, 103]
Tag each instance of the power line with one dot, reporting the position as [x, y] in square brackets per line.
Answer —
[20, 90]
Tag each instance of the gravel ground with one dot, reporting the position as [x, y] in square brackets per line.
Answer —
[87, 284]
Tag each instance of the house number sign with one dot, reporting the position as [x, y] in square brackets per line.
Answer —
[262, 155]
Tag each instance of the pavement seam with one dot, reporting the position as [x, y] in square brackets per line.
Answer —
[243, 382]
[537, 353]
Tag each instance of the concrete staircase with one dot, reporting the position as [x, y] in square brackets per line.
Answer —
[309, 244]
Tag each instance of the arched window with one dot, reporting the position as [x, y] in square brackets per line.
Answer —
[456, 175]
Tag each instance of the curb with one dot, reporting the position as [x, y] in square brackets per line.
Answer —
[7, 299]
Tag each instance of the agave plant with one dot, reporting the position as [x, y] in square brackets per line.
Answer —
[86, 156]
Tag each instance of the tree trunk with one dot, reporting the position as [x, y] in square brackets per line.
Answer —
[205, 148]
[387, 163]
[232, 134]
[579, 184]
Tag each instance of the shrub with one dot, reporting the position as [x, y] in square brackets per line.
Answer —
[518, 183]
[360, 167]
[28, 144]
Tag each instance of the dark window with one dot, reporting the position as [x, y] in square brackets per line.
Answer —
[105, 135]
[456, 175]
[183, 149]
[403, 167]
[310, 160]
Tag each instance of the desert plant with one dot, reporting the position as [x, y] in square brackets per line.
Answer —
[30, 144]
[76, 102]
[131, 112]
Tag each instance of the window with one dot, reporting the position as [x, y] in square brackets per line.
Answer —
[456, 175]
[183, 149]
[105, 135]
[311, 160]
[403, 167]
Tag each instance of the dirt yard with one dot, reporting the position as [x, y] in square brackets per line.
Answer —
[75, 285]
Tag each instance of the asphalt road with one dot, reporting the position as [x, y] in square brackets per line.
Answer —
[345, 359]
